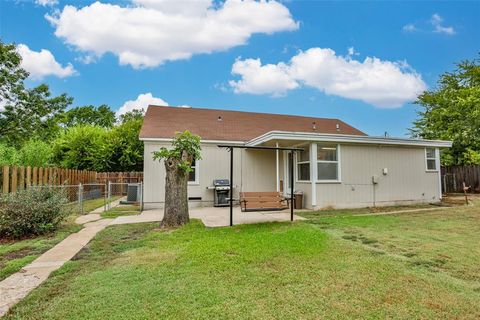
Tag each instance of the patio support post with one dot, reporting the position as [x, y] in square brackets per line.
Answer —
[277, 164]
[291, 185]
[231, 186]
[313, 172]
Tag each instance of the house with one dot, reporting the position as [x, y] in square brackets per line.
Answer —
[340, 166]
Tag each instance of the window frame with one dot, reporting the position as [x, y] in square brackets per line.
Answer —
[297, 175]
[435, 158]
[196, 167]
[338, 162]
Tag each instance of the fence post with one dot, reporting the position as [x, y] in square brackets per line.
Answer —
[35, 175]
[80, 197]
[105, 197]
[28, 178]
[14, 179]
[6, 178]
[109, 194]
[141, 196]
[21, 182]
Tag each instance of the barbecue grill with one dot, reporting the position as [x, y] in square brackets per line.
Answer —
[221, 189]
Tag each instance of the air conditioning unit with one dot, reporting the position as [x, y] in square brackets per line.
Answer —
[133, 193]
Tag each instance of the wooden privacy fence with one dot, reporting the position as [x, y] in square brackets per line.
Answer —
[453, 178]
[16, 178]
[119, 177]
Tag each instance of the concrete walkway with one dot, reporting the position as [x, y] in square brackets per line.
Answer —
[18, 285]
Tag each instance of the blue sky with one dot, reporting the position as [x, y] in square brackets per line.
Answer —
[289, 57]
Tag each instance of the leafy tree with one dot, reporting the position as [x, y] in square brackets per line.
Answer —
[178, 161]
[35, 153]
[26, 112]
[8, 155]
[452, 112]
[98, 116]
[82, 147]
[126, 150]
[11, 74]
[135, 114]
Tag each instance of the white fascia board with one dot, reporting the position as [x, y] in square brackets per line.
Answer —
[201, 141]
[343, 138]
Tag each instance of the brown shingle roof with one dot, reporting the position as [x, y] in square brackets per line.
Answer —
[164, 122]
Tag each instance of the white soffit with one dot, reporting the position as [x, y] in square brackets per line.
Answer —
[342, 138]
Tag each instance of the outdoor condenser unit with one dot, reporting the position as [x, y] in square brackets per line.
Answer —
[133, 193]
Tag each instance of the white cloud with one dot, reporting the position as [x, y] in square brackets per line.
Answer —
[142, 102]
[147, 33]
[257, 79]
[436, 22]
[353, 52]
[46, 2]
[384, 84]
[410, 27]
[41, 64]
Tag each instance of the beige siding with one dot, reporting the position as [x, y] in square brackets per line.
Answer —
[254, 170]
[406, 182]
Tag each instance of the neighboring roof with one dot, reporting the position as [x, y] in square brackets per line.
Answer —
[224, 125]
[342, 138]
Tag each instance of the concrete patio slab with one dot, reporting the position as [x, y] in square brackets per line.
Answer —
[214, 217]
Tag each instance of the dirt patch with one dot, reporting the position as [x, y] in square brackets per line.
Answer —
[17, 254]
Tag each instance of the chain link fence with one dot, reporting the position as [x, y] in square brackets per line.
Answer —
[129, 193]
[85, 198]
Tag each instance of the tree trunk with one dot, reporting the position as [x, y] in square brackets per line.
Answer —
[176, 198]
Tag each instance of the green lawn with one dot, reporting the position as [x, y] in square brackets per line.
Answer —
[402, 267]
[15, 254]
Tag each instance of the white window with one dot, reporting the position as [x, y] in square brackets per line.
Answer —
[431, 159]
[193, 176]
[327, 163]
[303, 165]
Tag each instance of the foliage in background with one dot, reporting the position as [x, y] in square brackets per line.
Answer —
[36, 129]
[135, 114]
[82, 147]
[8, 155]
[126, 149]
[452, 112]
[25, 112]
[35, 153]
[100, 116]
[31, 212]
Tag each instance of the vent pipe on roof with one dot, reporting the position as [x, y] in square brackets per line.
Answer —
[219, 118]
[314, 125]
[338, 127]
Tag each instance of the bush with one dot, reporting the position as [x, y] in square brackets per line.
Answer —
[31, 212]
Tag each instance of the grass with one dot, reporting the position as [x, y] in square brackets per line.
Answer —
[121, 210]
[410, 266]
[15, 254]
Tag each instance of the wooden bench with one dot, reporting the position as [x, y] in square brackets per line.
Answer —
[262, 201]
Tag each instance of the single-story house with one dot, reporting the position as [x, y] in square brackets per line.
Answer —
[340, 167]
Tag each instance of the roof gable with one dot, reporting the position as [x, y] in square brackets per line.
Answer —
[226, 125]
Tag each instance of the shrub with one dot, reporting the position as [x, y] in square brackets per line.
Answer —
[35, 153]
[31, 212]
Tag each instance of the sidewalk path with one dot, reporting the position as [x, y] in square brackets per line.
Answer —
[18, 285]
